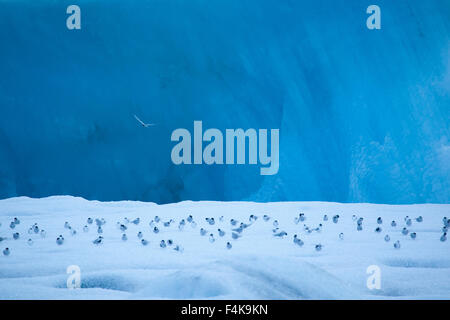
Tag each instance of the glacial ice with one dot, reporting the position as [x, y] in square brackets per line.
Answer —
[364, 115]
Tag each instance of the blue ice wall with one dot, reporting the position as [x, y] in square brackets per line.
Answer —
[364, 116]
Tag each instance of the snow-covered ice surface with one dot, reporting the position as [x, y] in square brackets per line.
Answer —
[363, 114]
[259, 265]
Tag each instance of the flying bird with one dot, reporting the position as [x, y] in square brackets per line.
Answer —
[146, 125]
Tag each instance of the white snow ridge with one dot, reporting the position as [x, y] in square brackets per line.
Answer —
[251, 259]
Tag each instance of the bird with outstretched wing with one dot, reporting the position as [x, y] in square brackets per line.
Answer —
[146, 125]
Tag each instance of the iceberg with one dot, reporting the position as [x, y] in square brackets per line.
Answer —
[363, 115]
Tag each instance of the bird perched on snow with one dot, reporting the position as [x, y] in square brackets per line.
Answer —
[413, 235]
[298, 241]
[301, 217]
[43, 233]
[178, 248]
[190, 219]
[233, 222]
[221, 232]
[336, 218]
[408, 222]
[16, 236]
[244, 225]
[229, 246]
[89, 221]
[155, 229]
[66, 225]
[140, 235]
[30, 242]
[99, 229]
[211, 238]
[266, 217]
[252, 218]
[241, 228]
[123, 227]
[202, 232]
[16, 221]
[341, 236]
[238, 230]
[318, 247]
[144, 242]
[280, 234]
[405, 231]
[210, 221]
[98, 240]
[85, 228]
[393, 223]
[167, 223]
[397, 244]
[354, 217]
[157, 219]
[419, 219]
[378, 230]
[162, 244]
[221, 218]
[360, 220]
[136, 221]
[6, 252]
[359, 227]
[444, 237]
[319, 228]
[170, 242]
[306, 228]
[275, 223]
[387, 238]
[12, 225]
[181, 224]
[379, 220]
[60, 240]
[124, 237]
[325, 218]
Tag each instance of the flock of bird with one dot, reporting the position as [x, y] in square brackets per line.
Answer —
[237, 229]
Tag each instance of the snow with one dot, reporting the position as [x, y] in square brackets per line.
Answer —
[363, 114]
[259, 265]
